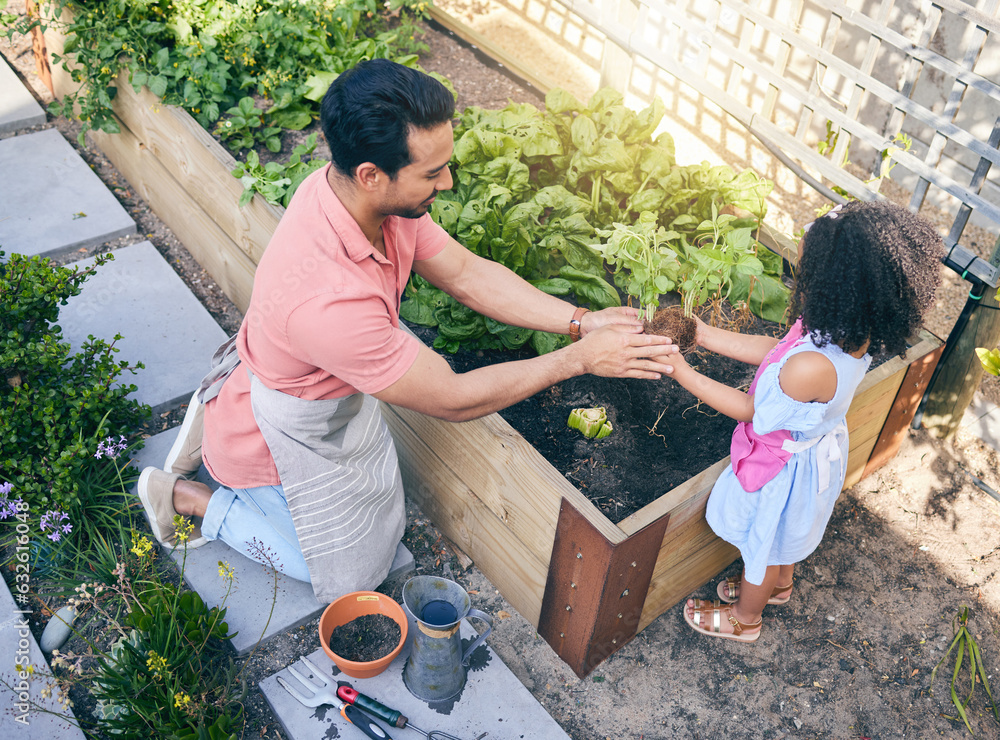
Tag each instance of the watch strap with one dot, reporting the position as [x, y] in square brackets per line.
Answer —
[574, 324]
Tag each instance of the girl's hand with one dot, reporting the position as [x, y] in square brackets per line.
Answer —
[673, 364]
[699, 332]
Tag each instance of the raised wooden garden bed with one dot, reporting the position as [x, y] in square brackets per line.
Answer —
[588, 584]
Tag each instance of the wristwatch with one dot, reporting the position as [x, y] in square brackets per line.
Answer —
[574, 324]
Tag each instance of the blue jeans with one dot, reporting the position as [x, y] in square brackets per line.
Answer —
[257, 523]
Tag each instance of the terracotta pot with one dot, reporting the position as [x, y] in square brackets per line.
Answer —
[354, 605]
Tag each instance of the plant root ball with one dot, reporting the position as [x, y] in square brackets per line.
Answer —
[671, 322]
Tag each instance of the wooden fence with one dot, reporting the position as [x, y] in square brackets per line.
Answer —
[824, 84]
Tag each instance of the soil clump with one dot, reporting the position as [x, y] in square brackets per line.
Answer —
[671, 322]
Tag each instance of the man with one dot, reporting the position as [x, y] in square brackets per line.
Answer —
[292, 430]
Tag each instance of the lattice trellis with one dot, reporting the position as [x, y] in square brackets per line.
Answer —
[794, 71]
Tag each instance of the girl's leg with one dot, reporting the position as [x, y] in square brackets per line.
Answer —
[747, 609]
[753, 598]
[253, 521]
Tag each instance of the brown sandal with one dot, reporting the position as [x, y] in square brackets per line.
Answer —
[707, 620]
[729, 591]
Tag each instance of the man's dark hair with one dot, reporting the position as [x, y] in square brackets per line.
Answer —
[867, 273]
[368, 111]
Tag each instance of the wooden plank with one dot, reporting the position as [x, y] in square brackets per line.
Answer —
[898, 421]
[192, 156]
[441, 494]
[207, 243]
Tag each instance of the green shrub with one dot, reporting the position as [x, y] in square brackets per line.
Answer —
[57, 406]
[205, 55]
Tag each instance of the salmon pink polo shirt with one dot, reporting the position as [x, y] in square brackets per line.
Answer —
[323, 322]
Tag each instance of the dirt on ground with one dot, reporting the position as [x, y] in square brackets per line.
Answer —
[850, 656]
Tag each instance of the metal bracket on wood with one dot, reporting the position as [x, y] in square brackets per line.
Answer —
[595, 589]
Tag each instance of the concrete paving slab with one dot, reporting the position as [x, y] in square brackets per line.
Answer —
[493, 704]
[161, 322]
[256, 587]
[18, 108]
[987, 428]
[56, 203]
[24, 712]
[978, 408]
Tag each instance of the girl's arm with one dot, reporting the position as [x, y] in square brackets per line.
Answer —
[729, 401]
[749, 348]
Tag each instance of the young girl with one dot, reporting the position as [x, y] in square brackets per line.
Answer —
[866, 274]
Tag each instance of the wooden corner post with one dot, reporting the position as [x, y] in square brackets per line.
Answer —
[961, 372]
[595, 589]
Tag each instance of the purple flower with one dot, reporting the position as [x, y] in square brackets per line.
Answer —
[8, 506]
[110, 448]
[52, 520]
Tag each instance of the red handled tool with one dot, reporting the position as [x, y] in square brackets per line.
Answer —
[347, 693]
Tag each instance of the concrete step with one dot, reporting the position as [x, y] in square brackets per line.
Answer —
[18, 108]
[162, 324]
[256, 587]
[493, 702]
[51, 202]
[24, 711]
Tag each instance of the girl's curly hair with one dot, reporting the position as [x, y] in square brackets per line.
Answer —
[867, 273]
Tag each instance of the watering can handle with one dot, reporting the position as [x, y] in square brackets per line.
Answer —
[479, 640]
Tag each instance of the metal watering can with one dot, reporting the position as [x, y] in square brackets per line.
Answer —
[435, 670]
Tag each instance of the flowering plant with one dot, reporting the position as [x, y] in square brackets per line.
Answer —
[166, 671]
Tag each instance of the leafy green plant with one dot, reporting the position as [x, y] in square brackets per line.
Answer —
[645, 267]
[275, 181]
[966, 646]
[244, 127]
[536, 190]
[205, 54]
[58, 405]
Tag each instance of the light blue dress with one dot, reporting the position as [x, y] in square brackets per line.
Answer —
[783, 522]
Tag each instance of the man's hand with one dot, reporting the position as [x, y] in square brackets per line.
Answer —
[593, 320]
[620, 350]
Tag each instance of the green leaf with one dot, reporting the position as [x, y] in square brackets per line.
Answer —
[766, 295]
[544, 342]
[558, 101]
[591, 288]
[317, 84]
[553, 286]
[990, 360]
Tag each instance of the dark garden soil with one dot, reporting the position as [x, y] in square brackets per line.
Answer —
[366, 638]
[662, 435]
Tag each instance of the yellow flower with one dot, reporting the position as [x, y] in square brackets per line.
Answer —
[140, 544]
[156, 663]
[184, 527]
[226, 571]
[181, 700]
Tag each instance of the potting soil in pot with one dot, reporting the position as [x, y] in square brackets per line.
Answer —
[366, 638]
[662, 436]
